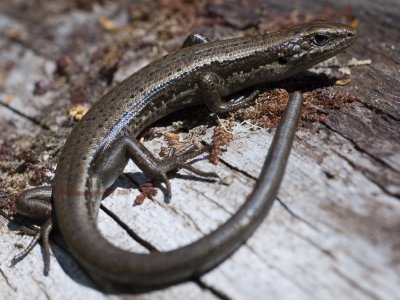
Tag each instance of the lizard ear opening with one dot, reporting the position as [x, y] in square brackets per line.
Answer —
[282, 61]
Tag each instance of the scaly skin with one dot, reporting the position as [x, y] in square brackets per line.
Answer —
[101, 144]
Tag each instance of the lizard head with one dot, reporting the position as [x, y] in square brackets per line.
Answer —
[308, 44]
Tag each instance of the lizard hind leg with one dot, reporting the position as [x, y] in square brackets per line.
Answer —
[36, 205]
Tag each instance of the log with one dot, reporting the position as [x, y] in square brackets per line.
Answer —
[333, 230]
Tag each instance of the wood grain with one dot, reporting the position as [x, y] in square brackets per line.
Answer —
[333, 231]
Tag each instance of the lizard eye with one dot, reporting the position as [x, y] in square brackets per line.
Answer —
[320, 39]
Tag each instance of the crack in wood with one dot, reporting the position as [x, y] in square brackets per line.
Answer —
[41, 287]
[185, 215]
[378, 110]
[326, 252]
[219, 294]
[387, 91]
[280, 271]
[25, 116]
[360, 149]
[216, 292]
[219, 205]
[366, 173]
[7, 280]
[128, 230]
[356, 285]
[296, 216]
[230, 166]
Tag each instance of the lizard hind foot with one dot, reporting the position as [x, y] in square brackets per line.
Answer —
[41, 234]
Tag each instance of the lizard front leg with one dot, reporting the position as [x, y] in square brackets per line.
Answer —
[127, 147]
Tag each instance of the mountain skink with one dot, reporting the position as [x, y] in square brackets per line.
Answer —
[101, 144]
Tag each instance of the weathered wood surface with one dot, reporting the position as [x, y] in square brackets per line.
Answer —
[333, 234]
